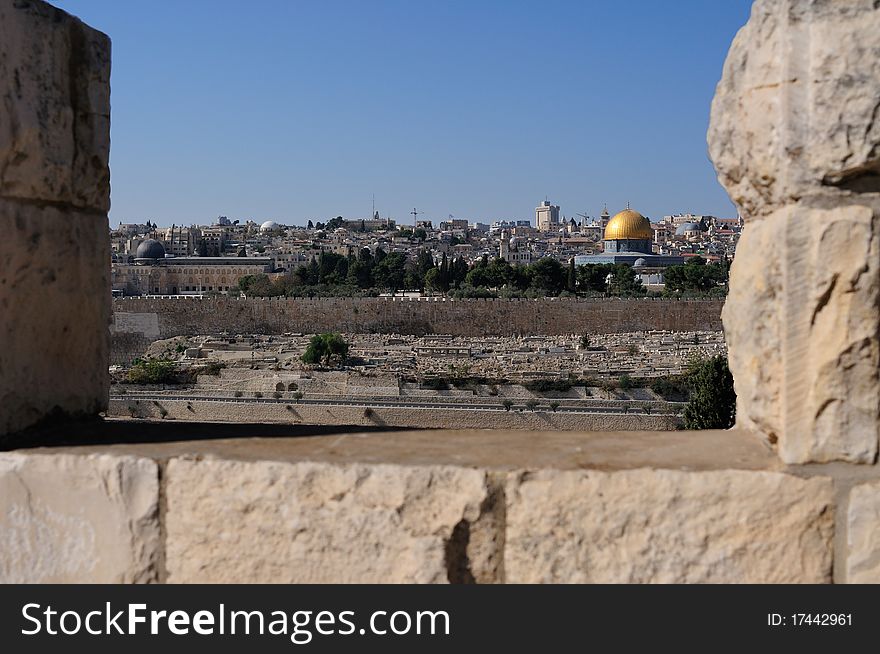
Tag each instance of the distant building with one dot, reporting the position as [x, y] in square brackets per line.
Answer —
[154, 273]
[513, 250]
[180, 241]
[546, 216]
[627, 240]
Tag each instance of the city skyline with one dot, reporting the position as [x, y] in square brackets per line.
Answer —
[296, 112]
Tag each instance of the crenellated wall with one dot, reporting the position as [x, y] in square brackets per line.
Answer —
[184, 316]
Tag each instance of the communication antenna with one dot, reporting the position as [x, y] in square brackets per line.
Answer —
[415, 214]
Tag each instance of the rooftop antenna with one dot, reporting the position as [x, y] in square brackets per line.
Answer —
[415, 214]
[372, 215]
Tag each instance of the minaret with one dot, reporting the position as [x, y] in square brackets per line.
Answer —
[604, 217]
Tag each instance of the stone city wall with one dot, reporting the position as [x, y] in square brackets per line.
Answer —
[185, 316]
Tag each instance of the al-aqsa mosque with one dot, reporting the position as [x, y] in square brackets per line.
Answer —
[627, 239]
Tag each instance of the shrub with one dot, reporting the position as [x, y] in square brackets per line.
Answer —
[258, 394]
[670, 388]
[238, 393]
[152, 371]
[531, 405]
[624, 383]
[325, 348]
[277, 395]
[507, 404]
[554, 406]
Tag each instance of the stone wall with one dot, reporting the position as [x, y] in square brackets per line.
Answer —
[291, 412]
[184, 316]
[436, 507]
[791, 495]
[54, 198]
[795, 138]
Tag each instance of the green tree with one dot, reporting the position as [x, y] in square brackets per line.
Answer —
[507, 404]
[459, 272]
[547, 275]
[432, 280]
[443, 276]
[389, 272]
[571, 283]
[712, 402]
[624, 282]
[325, 348]
[591, 277]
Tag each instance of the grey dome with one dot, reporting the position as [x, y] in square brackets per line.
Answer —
[688, 227]
[639, 263]
[150, 249]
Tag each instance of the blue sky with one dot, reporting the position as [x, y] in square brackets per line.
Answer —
[292, 110]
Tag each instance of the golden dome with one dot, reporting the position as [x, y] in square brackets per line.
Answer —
[628, 224]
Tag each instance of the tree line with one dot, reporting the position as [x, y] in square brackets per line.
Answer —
[367, 273]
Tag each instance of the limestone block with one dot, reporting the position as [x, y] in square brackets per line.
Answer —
[273, 522]
[802, 324]
[863, 535]
[796, 110]
[54, 313]
[55, 117]
[78, 519]
[667, 526]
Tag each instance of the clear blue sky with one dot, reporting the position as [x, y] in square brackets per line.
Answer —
[290, 110]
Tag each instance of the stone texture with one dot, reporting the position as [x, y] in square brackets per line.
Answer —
[54, 313]
[797, 110]
[78, 519]
[802, 329]
[666, 526]
[863, 535]
[271, 522]
[54, 197]
[795, 138]
[55, 117]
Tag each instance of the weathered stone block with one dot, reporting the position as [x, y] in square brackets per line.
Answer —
[271, 522]
[665, 526]
[78, 519]
[796, 110]
[863, 535]
[54, 313]
[55, 118]
[802, 322]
